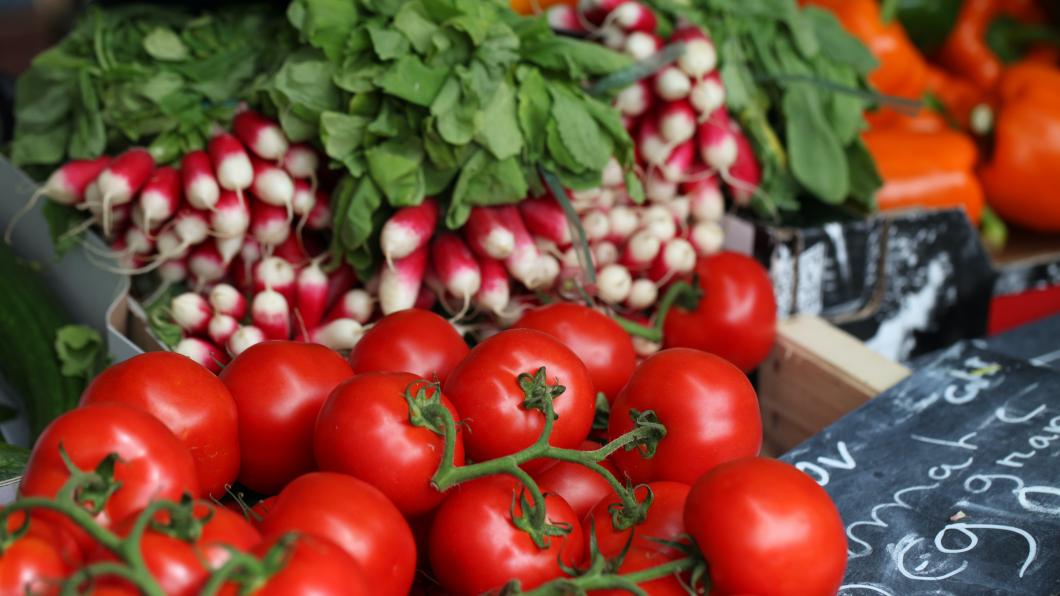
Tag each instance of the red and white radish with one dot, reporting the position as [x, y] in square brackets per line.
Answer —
[642, 294]
[262, 136]
[548, 269]
[200, 183]
[707, 95]
[65, 186]
[191, 312]
[612, 37]
[302, 161]
[613, 284]
[658, 189]
[596, 224]
[231, 163]
[612, 174]
[243, 338]
[596, 11]
[172, 271]
[340, 334]
[355, 304]
[409, 229]
[226, 300]
[679, 163]
[274, 273]
[269, 224]
[700, 57]
[707, 237]
[495, 291]
[203, 352]
[677, 121]
[271, 313]
[707, 202]
[636, 99]
[641, 250]
[159, 199]
[565, 18]
[456, 267]
[121, 180]
[745, 175]
[642, 45]
[658, 221]
[487, 235]
[340, 280]
[717, 143]
[623, 221]
[230, 216]
[651, 147]
[221, 328]
[523, 262]
[320, 214]
[676, 257]
[681, 208]
[545, 218]
[604, 253]
[311, 296]
[206, 264]
[273, 185]
[672, 84]
[633, 16]
[399, 284]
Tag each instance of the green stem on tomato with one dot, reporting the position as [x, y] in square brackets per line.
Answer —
[597, 578]
[678, 290]
[142, 579]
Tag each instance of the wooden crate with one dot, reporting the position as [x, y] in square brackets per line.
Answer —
[816, 374]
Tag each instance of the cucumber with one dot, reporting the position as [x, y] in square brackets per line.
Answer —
[30, 318]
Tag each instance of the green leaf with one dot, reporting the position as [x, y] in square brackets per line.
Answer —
[388, 45]
[305, 80]
[416, 27]
[80, 350]
[342, 135]
[89, 138]
[838, 45]
[410, 79]
[634, 188]
[395, 168]
[357, 200]
[534, 110]
[454, 119]
[579, 132]
[484, 181]
[611, 122]
[160, 319]
[818, 161]
[163, 44]
[577, 59]
[61, 219]
[43, 101]
[865, 179]
[327, 23]
[558, 150]
[498, 126]
[802, 31]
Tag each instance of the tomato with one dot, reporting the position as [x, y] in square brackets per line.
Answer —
[363, 430]
[261, 510]
[665, 520]
[415, 341]
[485, 390]
[475, 548]
[153, 463]
[311, 566]
[357, 517]
[34, 562]
[180, 567]
[707, 405]
[766, 528]
[737, 317]
[579, 486]
[641, 559]
[188, 399]
[279, 387]
[600, 343]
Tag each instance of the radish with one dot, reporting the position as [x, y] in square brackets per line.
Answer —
[707, 95]
[679, 163]
[304, 199]
[191, 312]
[425, 299]
[613, 284]
[232, 164]
[243, 338]
[191, 225]
[641, 250]
[227, 300]
[249, 255]
[612, 37]
[545, 218]
[659, 190]
[658, 221]
[565, 18]
[301, 161]
[495, 291]
[409, 229]
[699, 58]
[65, 186]
[548, 270]
[486, 234]
[622, 221]
[399, 284]
[604, 253]
[651, 146]
[612, 174]
[159, 199]
[169, 246]
[262, 136]
[681, 208]
[596, 11]
[230, 216]
[274, 273]
[596, 225]
[199, 180]
[320, 214]
[121, 180]
[677, 121]
[221, 328]
[524, 259]
[355, 304]
[456, 267]
[642, 294]
[293, 251]
[311, 295]
[605, 200]
[203, 352]
[677, 257]
[707, 237]
[671, 83]
[633, 16]
[269, 224]
[270, 312]
[206, 264]
[340, 334]
[746, 173]
[630, 123]
[717, 143]
[642, 45]
[171, 272]
[707, 203]
[272, 185]
[340, 281]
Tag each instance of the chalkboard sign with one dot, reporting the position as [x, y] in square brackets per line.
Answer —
[949, 483]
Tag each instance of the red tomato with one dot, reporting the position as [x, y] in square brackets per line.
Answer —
[475, 547]
[604, 347]
[415, 341]
[737, 317]
[707, 405]
[312, 566]
[36, 561]
[188, 399]
[665, 520]
[370, 409]
[485, 390]
[357, 517]
[180, 567]
[279, 387]
[766, 528]
[579, 486]
[640, 559]
[261, 509]
[153, 463]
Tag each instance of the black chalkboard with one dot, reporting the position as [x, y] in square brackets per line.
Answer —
[949, 483]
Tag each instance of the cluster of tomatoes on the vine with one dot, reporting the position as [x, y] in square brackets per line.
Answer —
[470, 470]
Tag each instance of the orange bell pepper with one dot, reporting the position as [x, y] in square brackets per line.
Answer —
[536, 6]
[958, 95]
[934, 169]
[1020, 177]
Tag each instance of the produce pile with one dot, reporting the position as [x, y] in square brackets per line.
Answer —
[418, 464]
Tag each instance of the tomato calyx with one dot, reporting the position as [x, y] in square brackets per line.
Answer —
[90, 490]
[680, 293]
[249, 572]
[424, 406]
[533, 521]
[538, 393]
[181, 523]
